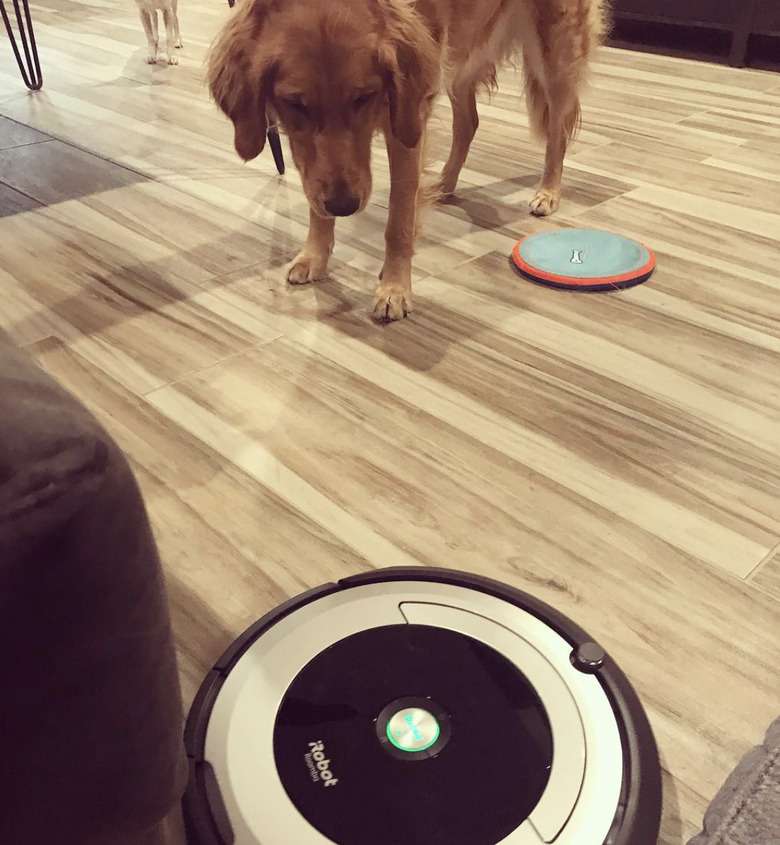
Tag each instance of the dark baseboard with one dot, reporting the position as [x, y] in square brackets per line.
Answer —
[713, 42]
[764, 52]
[694, 42]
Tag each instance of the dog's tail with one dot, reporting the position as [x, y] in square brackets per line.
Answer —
[429, 193]
[556, 62]
[539, 110]
[536, 102]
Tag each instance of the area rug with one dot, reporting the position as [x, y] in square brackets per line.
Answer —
[746, 810]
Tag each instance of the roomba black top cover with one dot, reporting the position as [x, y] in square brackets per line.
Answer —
[419, 707]
[495, 745]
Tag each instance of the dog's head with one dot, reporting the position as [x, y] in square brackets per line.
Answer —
[332, 71]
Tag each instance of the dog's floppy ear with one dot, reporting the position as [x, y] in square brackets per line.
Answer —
[409, 58]
[240, 74]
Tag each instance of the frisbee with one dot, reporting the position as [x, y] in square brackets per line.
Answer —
[583, 259]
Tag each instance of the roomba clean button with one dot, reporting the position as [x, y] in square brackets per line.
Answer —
[413, 729]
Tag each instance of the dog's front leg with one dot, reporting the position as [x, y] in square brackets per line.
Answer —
[147, 19]
[176, 31]
[393, 297]
[311, 263]
[170, 35]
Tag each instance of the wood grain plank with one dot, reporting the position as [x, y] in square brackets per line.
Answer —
[15, 202]
[51, 171]
[13, 134]
[767, 577]
[225, 567]
[482, 390]
[661, 166]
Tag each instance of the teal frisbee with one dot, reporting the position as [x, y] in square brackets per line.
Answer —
[583, 259]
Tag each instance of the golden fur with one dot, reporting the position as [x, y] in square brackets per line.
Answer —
[333, 72]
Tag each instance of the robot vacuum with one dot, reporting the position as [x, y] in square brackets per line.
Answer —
[419, 707]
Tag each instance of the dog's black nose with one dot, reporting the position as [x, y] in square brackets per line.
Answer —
[342, 205]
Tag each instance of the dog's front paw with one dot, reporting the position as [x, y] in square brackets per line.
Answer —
[178, 44]
[307, 267]
[151, 59]
[173, 60]
[545, 202]
[392, 302]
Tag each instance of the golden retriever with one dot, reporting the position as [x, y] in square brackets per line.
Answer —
[333, 72]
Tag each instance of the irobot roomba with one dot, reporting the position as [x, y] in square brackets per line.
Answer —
[419, 707]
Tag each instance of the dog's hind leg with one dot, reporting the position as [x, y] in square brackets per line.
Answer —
[170, 36]
[555, 64]
[155, 28]
[465, 122]
[177, 32]
[560, 117]
[151, 33]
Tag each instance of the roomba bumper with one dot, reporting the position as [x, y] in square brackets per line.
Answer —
[419, 707]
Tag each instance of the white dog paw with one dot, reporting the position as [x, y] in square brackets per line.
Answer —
[178, 44]
[172, 60]
[150, 59]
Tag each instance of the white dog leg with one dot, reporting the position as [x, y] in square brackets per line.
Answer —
[175, 6]
[151, 35]
[169, 36]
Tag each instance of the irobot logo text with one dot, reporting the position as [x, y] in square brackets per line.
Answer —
[319, 767]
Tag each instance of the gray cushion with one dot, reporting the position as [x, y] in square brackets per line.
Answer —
[746, 810]
[90, 710]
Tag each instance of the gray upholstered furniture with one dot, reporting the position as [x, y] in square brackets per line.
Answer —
[746, 810]
[90, 707]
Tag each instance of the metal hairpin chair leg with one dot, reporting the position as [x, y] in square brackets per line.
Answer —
[274, 142]
[30, 68]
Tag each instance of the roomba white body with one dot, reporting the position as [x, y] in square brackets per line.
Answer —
[419, 707]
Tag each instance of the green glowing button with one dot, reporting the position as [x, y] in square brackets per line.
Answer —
[413, 729]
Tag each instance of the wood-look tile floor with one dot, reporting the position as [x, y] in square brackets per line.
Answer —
[617, 455]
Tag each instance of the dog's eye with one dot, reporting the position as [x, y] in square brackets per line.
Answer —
[364, 99]
[297, 106]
